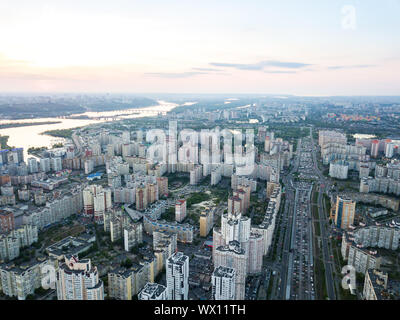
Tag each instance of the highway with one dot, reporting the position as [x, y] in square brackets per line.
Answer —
[295, 260]
[323, 223]
[300, 271]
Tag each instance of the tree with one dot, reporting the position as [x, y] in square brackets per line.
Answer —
[135, 249]
[127, 263]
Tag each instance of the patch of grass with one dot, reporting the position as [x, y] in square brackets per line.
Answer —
[60, 133]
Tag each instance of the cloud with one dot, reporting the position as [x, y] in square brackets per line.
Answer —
[207, 69]
[359, 66]
[262, 65]
[32, 76]
[187, 74]
[6, 62]
[174, 75]
[279, 71]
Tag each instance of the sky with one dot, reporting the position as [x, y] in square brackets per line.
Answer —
[308, 47]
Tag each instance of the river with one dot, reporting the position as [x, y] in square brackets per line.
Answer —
[30, 136]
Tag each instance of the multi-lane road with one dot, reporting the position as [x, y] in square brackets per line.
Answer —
[327, 251]
[299, 282]
[294, 259]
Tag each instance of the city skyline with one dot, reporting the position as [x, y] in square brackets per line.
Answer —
[318, 49]
[191, 153]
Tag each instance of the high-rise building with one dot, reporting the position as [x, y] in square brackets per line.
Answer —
[385, 144]
[255, 253]
[153, 291]
[126, 137]
[152, 192]
[234, 256]
[89, 166]
[360, 258]
[243, 192]
[56, 164]
[180, 210]
[23, 279]
[389, 150]
[162, 183]
[235, 205]
[374, 148]
[364, 170]
[375, 285]
[133, 235]
[33, 165]
[96, 201]
[267, 144]
[141, 198]
[216, 175]
[164, 245]
[78, 280]
[17, 155]
[206, 222]
[344, 213]
[223, 283]
[172, 146]
[178, 276]
[326, 137]
[4, 156]
[120, 284]
[45, 164]
[196, 174]
[160, 238]
[6, 221]
[339, 169]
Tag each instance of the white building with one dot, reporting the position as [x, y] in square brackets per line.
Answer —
[377, 237]
[133, 235]
[216, 175]
[153, 291]
[235, 257]
[196, 174]
[45, 164]
[178, 276]
[180, 210]
[339, 169]
[89, 166]
[375, 285]
[79, 280]
[96, 201]
[361, 259]
[326, 136]
[21, 281]
[223, 283]
[56, 164]
[389, 150]
[33, 165]
[243, 181]
[255, 252]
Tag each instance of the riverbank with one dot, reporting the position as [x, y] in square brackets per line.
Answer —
[26, 124]
[48, 135]
[60, 133]
[3, 142]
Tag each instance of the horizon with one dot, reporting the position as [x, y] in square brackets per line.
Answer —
[276, 95]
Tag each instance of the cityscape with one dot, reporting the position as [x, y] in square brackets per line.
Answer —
[192, 193]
